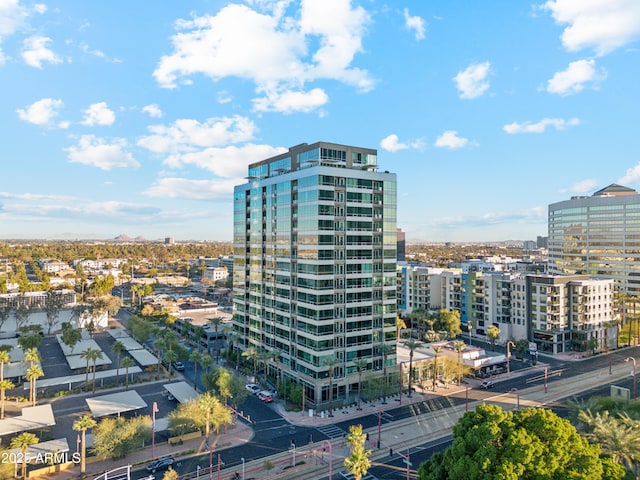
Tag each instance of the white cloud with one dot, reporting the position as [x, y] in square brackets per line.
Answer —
[291, 101]
[391, 143]
[575, 77]
[187, 134]
[271, 49]
[632, 175]
[541, 126]
[40, 8]
[603, 25]
[152, 110]
[524, 217]
[415, 23]
[207, 145]
[96, 152]
[223, 97]
[451, 140]
[42, 112]
[96, 53]
[472, 81]
[99, 114]
[193, 189]
[12, 16]
[583, 186]
[35, 52]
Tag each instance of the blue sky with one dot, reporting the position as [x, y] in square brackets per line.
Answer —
[138, 118]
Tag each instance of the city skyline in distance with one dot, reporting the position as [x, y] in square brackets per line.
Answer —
[486, 113]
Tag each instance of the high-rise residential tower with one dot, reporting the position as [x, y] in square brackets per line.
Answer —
[314, 280]
[598, 235]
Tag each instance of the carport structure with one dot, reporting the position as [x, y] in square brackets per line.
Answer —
[40, 416]
[181, 391]
[115, 403]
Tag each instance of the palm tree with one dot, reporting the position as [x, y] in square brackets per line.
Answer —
[357, 463]
[619, 437]
[196, 358]
[436, 350]
[216, 321]
[127, 363]
[330, 362]
[22, 442]
[361, 365]
[459, 345]
[87, 354]
[159, 345]
[34, 372]
[386, 350]
[205, 362]
[32, 356]
[170, 357]
[412, 345]
[4, 358]
[95, 356]
[252, 354]
[4, 386]
[82, 425]
[117, 348]
[207, 404]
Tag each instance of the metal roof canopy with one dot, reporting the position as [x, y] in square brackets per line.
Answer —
[182, 391]
[143, 357]
[30, 419]
[116, 403]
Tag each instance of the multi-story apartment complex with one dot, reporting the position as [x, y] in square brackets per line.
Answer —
[314, 279]
[598, 235]
[558, 312]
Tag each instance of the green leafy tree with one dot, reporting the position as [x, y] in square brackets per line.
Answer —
[357, 463]
[114, 438]
[82, 425]
[21, 315]
[5, 313]
[534, 443]
[71, 336]
[52, 309]
[493, 334]
[23, 441]
[449, 321]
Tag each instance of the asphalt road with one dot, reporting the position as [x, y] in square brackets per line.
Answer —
[274, 434]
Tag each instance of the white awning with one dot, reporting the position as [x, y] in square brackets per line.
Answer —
[115, 403]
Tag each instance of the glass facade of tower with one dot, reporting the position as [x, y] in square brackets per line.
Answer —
[315, 267]
[597, 235]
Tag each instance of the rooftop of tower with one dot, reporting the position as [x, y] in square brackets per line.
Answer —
[615, 190]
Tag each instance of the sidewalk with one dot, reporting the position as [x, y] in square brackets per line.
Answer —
[238, 435]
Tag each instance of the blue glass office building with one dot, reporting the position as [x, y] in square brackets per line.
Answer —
[314, 278]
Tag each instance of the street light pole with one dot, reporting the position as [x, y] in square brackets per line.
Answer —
[242, 467]
[154, 409]
[328, 443]
[634, 374]
[515, 390]
[509, 344]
